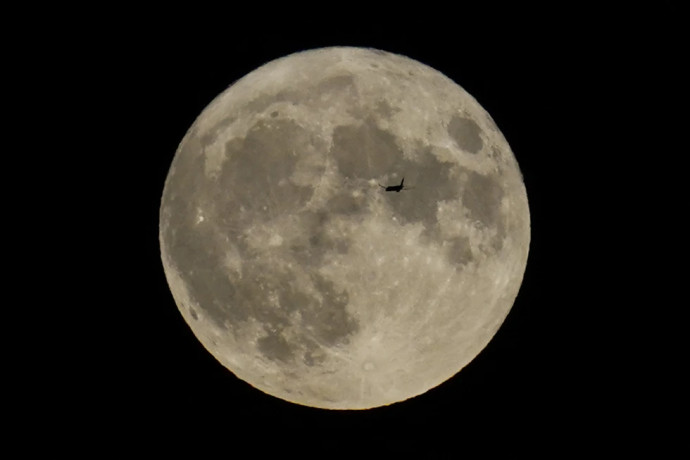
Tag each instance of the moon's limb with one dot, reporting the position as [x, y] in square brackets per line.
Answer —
[293, 268]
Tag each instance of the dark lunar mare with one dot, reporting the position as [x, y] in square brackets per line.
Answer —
[251, 189]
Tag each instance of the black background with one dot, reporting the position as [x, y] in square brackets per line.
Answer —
[559, 85]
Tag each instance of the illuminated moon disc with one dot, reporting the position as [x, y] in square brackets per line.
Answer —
[303, 276]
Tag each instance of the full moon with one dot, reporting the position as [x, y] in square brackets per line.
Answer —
[299, 272]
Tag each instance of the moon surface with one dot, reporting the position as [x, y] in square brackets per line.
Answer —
[305, 278]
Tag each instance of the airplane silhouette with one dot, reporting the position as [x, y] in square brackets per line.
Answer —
[395, 188]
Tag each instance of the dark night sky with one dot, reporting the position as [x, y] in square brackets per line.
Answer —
[552, 87]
